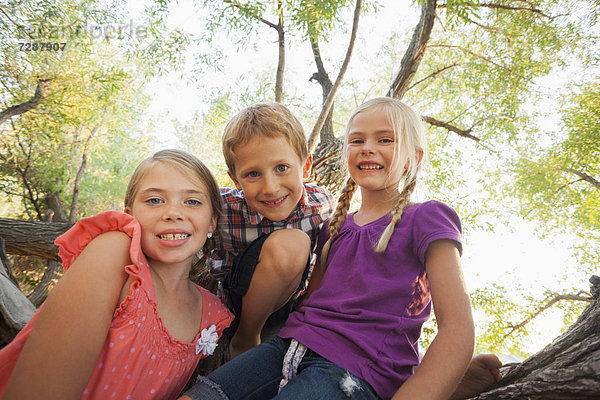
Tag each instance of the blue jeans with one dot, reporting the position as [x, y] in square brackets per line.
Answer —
[256, 374]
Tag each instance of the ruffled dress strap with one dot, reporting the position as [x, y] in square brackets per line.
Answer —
[72, 243]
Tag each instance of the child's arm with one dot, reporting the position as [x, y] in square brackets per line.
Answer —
[449, 354]
[59, 356]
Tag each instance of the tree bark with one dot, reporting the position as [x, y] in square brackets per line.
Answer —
[415, 52]
[322, 77]
[15, 308]
[328, 165]
[40, 292]
[32, 238]
[55, 212]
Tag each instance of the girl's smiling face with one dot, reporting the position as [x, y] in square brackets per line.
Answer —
[371, 152]
[175, 215]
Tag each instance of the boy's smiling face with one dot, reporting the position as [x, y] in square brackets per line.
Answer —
[270, 173]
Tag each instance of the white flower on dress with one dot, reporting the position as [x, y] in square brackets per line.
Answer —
[208, 341]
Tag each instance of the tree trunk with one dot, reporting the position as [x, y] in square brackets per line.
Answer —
[568, 368]
[32, 238]
[312, 139]
[40, 292]
[15, 308]
[281, 54]
[414, 54]
[329, 168]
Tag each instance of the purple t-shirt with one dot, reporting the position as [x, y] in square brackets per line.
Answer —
[367, 314]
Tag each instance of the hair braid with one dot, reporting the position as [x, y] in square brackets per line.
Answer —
[403, 200]
[338, 218]
[200, 262]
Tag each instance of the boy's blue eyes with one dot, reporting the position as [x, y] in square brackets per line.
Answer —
[279, 169]
[154, 200]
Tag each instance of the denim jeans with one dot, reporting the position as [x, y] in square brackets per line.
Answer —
[256, 374]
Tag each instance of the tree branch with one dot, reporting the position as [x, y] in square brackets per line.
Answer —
[494, 30]
[432, 75]
[79, 176]
[511, 8]
[40, 93]
[32, 238]
[461, 132]
[15, 23]
[585, 177]
[489, 118]
[415, 52]
[322, 78]
[249, 13]
[465, 50]
[506, 7]
[281, 54]
[326, 157]
[312, 140]
[549, 303]
[474, 104]
[280, 40]
[30, 193]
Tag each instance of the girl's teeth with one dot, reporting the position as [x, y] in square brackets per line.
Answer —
[174, 236]
[371, 167]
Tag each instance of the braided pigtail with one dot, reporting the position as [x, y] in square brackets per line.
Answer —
[403, 200]
[338, 218]
[200, 262]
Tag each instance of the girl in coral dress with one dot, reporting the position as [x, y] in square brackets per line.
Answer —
[134, 329]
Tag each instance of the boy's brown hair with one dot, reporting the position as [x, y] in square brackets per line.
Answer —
[264, 119]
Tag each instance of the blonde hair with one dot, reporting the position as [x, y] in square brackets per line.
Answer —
[194, 169]
[267, 120]
[409, 138]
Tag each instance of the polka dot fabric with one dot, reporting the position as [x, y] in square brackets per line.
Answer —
[140, 359]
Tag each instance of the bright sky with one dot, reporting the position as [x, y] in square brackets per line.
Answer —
[508, 256]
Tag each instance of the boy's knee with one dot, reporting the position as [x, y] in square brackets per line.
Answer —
[287, 250]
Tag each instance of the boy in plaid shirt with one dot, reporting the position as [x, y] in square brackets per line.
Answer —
[270, 221]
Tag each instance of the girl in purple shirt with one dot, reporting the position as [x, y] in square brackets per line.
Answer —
[381, 268]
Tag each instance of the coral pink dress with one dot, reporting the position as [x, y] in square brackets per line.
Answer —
[140, 359]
